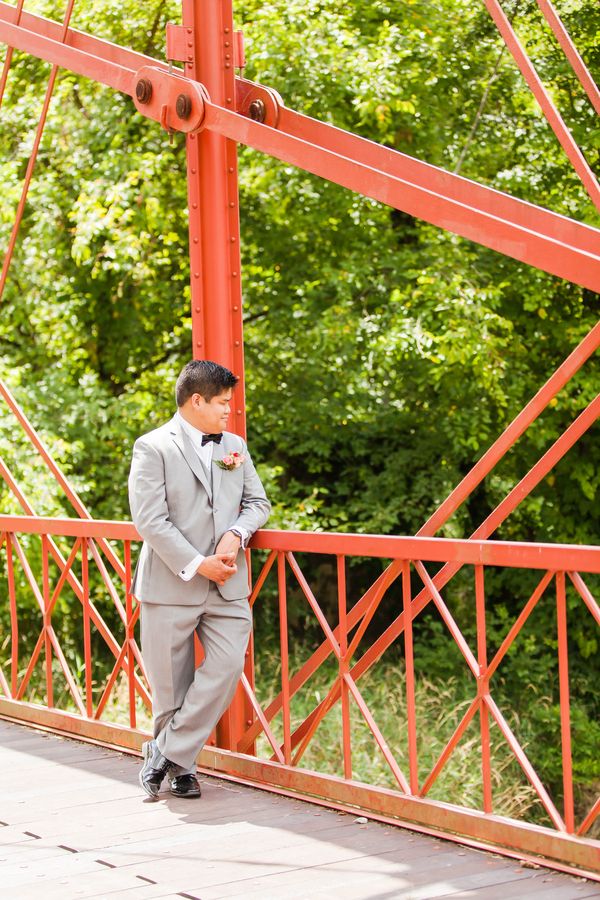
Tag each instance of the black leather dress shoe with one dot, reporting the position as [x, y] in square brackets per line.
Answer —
[185, 786]
[154, 769]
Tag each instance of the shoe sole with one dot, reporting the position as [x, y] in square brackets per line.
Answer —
[145, 748]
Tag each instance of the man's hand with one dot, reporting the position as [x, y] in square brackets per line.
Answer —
[219, 567]
[229, 544]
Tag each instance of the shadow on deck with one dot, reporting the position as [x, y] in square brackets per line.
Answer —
[74, 823]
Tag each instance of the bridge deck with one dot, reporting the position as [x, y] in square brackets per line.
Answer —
[74, 824]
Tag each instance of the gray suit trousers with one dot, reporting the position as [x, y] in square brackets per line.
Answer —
[188, 702]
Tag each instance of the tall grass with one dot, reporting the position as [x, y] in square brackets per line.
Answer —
[440, 705]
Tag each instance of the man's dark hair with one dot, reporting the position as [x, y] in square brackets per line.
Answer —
[201, 376]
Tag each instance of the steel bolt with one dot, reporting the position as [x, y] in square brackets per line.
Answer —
[143, 90]
[257, 110]
[183, 106]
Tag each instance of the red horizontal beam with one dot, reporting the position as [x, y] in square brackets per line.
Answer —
[559, 557]
[454, 187]
[492, 553]
[538, 237]
[542, 239]
[101, 70]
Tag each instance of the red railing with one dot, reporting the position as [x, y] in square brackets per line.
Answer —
[54, 567]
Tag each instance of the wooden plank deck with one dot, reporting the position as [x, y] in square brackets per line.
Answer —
[75, 824]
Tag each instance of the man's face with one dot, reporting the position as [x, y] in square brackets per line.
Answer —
[212, 415]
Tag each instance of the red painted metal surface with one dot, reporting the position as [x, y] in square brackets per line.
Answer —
[215, 110]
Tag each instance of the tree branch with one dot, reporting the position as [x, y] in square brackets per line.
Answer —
[483, 103]
[153, 29]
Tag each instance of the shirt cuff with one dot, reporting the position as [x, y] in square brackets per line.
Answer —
[190, 570]
[242, 534]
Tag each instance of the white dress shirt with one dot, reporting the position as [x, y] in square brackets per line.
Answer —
[205, 455]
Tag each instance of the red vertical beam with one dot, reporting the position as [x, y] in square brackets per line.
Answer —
[343, 666]
[565, 712]
[130, 622]
[14, 619]
[486, 765]
[214, 232]
[214, 201]
[285, 662]
[47, 611]
[87, 638]
[410, 679]
[247, 711]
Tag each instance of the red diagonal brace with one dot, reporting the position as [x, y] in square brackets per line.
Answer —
[527, 69]
[570, 50]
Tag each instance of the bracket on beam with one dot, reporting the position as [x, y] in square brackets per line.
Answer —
[257, 102]
[176, 102]
[180, 43]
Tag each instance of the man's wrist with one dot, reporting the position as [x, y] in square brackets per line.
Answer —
[242, 534]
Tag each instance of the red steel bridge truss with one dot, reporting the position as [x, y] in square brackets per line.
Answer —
[197, 92]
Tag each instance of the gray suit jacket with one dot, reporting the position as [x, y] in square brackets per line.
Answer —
[179, 513]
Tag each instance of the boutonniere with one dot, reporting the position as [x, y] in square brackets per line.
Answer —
[231, 461]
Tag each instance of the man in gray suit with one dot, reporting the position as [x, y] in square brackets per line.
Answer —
[196, 500]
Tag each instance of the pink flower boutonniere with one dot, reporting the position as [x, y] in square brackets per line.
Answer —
[231, 461]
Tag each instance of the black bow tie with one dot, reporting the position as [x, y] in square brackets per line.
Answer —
[207, 438]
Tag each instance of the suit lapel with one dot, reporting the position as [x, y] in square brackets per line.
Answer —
[190, 456]
[219, 451]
